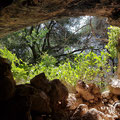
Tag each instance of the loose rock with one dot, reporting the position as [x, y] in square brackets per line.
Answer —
[7, 83]
[58, 94]
[41, 82]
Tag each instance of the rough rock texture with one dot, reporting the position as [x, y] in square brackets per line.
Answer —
[17, 14]
[79, 112]
[40, 103]
[7, 83]
[58, 94]
[92, 114]
[114, 86]
[41, 82]
[84, 90]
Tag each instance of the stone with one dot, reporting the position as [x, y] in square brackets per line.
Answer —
[18, 108]
[106, 95]
[58, 94]
[84, 90]
[40, 103]
[25, 90]
[7, 83]
[41, 82]
[79, 112]
[92, 114]
[114, 86]
[94, 88]
[16, 15]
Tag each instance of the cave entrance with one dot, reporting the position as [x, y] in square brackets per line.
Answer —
[59, 66]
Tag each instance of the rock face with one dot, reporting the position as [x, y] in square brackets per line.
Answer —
[83, 90]
[79, 112]
[58, 94]
[114, 86]
[7, 83]
[41, 82]
[89, 92]
[17, 14]
[92, 114]
[40, 103]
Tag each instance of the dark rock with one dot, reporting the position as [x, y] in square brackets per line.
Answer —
[7, 83]
[79, 112]
[92, 114]
[58, 94]
[18, 108]
[25, 90]
[41, 82]
[40, 103]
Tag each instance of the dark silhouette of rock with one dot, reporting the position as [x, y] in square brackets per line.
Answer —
[40, 103]
[18, 108]
[7, 83]
[25, 90]
[79, 112]
[58, 94]
[92, 114]
[41, 82]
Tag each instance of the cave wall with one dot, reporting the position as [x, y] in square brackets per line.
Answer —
[17, 14]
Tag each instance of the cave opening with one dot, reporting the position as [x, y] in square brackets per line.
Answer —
[59, 69]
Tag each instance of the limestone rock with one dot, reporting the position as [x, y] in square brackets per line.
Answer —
[41, 82]
[106, 95]
[94, 88]
[92, 114]
[114, 86]
[84, 90]
[15, 14]
[79, 112]
[7, 83]
[73, 102]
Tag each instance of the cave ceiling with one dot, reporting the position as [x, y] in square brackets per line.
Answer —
[18, 14]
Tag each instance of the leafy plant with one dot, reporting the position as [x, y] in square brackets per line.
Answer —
[113, 35]
[18, 66]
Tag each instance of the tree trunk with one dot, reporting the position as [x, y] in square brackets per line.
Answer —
[34, 53]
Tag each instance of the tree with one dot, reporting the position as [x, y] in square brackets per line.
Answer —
[60, 38]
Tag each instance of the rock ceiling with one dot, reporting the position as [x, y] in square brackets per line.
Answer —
[17, 14]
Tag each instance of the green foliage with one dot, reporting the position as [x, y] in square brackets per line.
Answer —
[85, 66]
[113, 35]
[18, 66]
[48, 60]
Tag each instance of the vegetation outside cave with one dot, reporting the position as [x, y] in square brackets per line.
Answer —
[69, 49]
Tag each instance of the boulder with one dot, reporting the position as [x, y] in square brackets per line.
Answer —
[92, 114]
[18, 108]
[114, 86]
[84, 90]
[40, 103]
[79, 112]
[94, 89]
[106, 95]
[7, 83]
[58, 94]
[41, 82]
[25, 90]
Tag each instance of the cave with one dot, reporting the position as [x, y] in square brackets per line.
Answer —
[15, 14]
[18, 14]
